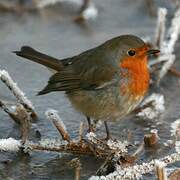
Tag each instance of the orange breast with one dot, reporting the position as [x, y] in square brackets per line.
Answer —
[138, 75]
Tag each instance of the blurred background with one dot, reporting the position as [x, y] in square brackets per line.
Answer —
[63, 29]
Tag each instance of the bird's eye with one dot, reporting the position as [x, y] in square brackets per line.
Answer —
[131, 52]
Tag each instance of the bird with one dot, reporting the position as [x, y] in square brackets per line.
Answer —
[104, 83]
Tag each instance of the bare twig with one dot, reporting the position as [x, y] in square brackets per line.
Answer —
[151, 139]
[76, 164]
[21, 117]
[77, 172]
[12, 115]
[25, 123]
[174, 71]
[174, 175]
[139, 150]
[150, 6]
[81, 128]
[160, 170]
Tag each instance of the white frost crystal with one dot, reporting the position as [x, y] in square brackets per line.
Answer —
[156, 109]
[118, 145]
[53, 115]
[175, 128]
[136, 171]
[177, 146]
[10, 144]
[90, 13]
[91, 136]
[52, 143]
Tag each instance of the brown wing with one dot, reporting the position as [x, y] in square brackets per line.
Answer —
[89, 78]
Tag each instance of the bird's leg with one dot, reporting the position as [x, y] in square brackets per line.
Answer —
[108, 136]
[89, 124]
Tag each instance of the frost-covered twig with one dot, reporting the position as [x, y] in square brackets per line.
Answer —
[58, 123]
[157, 106]
[165, 68]
[63, 146]
[175, 128]
[136, 171]
[10, 144]
[175, 132]
[22, 99]
[118, 146]
[172, 34]
[167, 42]
[160, 28]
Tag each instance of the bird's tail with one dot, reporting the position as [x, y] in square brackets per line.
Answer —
[33, 55]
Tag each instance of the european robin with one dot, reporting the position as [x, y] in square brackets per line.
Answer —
[104, 83]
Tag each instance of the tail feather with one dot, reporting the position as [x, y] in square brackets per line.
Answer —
[33, 55]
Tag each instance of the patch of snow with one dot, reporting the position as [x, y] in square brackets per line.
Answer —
[10, 144]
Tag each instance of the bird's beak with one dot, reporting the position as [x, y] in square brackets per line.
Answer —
[152, 51]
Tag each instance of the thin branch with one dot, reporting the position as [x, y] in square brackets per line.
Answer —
[165, 68]
[174, 71]
[76, 164]
[160, 170]
[64, 146]
[160, 28]
[25, 123]
[21, 117]
[6, 109]
[81, 128]
[58, 123]
[136, 171]
[22, 99]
